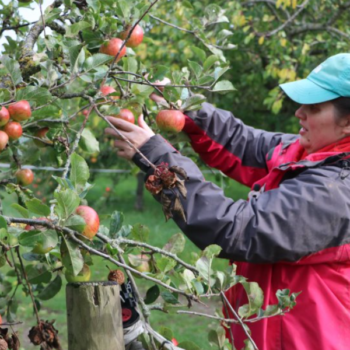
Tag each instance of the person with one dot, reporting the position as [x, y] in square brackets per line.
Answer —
[294, 230]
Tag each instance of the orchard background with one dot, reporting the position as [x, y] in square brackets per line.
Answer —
[230, 53]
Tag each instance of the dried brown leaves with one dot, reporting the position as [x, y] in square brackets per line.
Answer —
[168, 178]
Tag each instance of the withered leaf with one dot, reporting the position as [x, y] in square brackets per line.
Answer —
[178, 209]
[178, 170]
[182, 188]
[166, 204]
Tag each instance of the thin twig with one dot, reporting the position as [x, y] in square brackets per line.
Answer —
[239, 320]
[119, 241]
[28, 284]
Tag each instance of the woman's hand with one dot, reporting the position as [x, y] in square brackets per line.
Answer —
[137, 135]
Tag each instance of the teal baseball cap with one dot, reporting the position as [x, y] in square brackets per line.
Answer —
[328, 81]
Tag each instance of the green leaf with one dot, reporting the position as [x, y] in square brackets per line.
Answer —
[67, 202]
[169, 298]
[196, 68]
[220, 71]
[255, 298]
[152, 294]
[3, 222]
[203, 267]
[13, 69]
[171, 93]
[38, 274]
[75, 55]
[64, 183]
[94, 4]
[176, 244]
[130, 65]
[51, 14]
[123, 8]
[193, 101]
[198, 287]
[210, 61]
[36, 95]
[165, 264]
[5, 288]
[96, 60]
[199, 53]
[141, 90]
[167, 333]
[74, 29]
[52, 289]
[37, 207]
[188, 345]
[140, 233]
[88, 142]
[212, 251]
[116, 223]
[47, 239]
[76, 222]
[72, 258]
[223, 85]
[23, 211]
[188, 276]
[79, 173]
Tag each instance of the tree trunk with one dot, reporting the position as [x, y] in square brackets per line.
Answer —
[139, 191]
[94, 317]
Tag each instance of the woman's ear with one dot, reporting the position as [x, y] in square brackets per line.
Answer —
[346, 125]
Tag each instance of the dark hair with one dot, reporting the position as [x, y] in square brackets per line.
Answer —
[342, 107]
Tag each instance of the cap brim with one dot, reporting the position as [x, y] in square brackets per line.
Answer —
[307, 92]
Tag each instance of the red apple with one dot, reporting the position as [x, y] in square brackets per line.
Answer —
[170, 120]
[4, 116]
[136, 36]
[112, 47]
[41, 134]
[20, 110]
[91, 218]
[127, 115]
[106, 90]
[24, 177]
[13, 130]
[4, 139]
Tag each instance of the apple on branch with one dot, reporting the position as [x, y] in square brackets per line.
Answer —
[136, 36]
[4, 139]
[91, 219]
[13, 130]
[4, 116]
[20, 111]
[112, 47]
[24, 177]
[170, 120]
[126, 115]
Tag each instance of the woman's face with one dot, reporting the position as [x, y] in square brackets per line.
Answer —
[319, 127]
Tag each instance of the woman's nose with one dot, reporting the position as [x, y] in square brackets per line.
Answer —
[299, 113]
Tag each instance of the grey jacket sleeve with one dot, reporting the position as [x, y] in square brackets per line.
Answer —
[213, 128]
[304, 215]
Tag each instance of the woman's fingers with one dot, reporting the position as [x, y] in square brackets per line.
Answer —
[143, 124]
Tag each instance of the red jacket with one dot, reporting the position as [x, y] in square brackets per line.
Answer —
[295, 234]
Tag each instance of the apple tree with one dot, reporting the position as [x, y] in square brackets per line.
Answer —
[84, 60]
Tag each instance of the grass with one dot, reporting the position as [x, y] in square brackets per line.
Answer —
[121, 198]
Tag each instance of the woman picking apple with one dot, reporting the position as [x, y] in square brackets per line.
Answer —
[294, 230]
